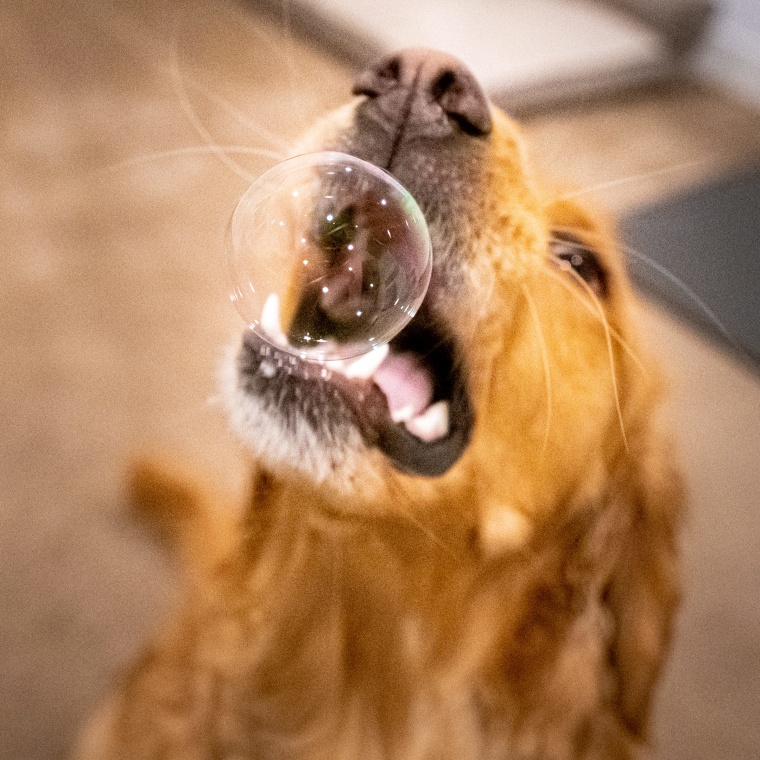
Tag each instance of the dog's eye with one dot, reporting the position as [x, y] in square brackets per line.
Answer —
[573, 255]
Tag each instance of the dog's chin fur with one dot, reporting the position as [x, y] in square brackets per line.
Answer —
[345, 475]
[332, 452]
[515, 601]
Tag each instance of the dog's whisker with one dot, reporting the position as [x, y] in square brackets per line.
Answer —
[150, 48]
[665, 272]
[678, 282]
[569, 242]
[545, 361]
[187, 107]
[631, 179]
[561, 278]
[287, 25]
[407, 514]
[285, 54]
[240, 117]
[191, 150]
[615, 385]
[428, 533]
[610, 351]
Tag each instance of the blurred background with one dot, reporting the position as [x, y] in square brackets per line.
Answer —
[129, 129]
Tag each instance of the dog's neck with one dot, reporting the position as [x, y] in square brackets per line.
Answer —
[446, 526]
[347, 609]
[351, 623]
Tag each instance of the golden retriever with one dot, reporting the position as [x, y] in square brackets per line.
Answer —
[498, 584]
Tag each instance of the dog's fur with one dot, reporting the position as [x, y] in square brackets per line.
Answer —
[517, 606]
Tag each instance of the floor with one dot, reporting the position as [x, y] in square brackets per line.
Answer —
[115, 312]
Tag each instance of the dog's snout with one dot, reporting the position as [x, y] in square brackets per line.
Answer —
[420, 90]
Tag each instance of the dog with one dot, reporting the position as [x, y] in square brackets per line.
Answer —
[496, 577]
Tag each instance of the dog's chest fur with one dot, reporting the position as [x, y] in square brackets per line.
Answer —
[307, 640]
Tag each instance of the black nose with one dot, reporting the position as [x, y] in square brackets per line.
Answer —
[428, 91]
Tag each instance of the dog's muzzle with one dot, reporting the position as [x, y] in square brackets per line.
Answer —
[425, 119]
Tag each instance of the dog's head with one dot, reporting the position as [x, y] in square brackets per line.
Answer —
[520, 348]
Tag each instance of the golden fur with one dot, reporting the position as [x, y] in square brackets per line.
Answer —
[518, 606]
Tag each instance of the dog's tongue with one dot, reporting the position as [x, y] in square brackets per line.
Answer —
[407, 387]
[406, 384]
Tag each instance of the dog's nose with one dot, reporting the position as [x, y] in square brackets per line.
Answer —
[426, 92]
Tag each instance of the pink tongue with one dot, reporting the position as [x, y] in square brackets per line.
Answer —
[406, 384]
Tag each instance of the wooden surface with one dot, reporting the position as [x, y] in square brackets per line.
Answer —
[115, 312]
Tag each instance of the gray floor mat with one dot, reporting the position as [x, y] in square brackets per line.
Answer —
[704, 248]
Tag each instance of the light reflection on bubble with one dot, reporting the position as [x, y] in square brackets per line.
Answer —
[329, 256]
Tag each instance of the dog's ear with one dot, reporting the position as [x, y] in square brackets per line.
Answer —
[183, 509]
[644, 588]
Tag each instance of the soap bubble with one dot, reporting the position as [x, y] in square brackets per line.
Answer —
[329, 256]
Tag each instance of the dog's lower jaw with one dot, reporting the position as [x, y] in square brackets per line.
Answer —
[332, 453]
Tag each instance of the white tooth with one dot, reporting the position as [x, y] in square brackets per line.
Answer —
[270, 320]
[365, 366]
[432, 424]
[404, 414]
[267, 369]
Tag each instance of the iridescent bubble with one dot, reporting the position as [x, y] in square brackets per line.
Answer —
[329, 256]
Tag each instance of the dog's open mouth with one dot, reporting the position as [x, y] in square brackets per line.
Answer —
[408, 398]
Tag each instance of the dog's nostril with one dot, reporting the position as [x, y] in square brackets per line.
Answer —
[442, 85]
[462, 100]
[391, 71]
[420, 84]
[379, 79]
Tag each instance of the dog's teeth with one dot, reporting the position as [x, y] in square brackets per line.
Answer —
[267, 369]
[432, 424]
[404, 414]
[365, 366]
[270, 320]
